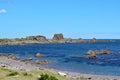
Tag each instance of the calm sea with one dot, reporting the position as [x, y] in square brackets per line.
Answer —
[62, 56]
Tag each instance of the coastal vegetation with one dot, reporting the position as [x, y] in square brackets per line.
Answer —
[8, 74]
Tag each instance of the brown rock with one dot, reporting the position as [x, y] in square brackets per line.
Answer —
[58, 37]
[38, 62]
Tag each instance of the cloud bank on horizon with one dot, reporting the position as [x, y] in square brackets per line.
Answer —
[3, 11]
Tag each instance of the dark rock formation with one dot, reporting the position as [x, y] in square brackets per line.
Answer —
[58, 37]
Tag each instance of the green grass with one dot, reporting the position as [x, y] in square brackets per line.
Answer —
[7, 74]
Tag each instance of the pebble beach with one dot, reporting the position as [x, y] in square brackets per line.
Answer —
[22, 66]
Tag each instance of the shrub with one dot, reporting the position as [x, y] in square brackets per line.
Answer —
[27, 74]
[47, 77]
[13, 74]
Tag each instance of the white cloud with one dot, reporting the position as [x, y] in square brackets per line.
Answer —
[3, 11]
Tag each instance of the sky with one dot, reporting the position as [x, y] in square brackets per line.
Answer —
[74, 18]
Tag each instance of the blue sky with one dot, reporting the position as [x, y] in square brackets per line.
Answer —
[73, 18]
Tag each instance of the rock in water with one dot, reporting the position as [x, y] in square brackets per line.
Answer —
[38, 55]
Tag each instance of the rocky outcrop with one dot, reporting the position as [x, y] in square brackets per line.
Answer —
[107, 51]
[38, 38]
[92, 54]
[41, 38]
[58, 37]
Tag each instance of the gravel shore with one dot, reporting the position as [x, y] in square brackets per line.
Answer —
[22, 66]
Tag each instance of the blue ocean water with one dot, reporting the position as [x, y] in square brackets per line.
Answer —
[62, 56]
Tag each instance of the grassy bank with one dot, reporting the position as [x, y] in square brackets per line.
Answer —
[7, 74]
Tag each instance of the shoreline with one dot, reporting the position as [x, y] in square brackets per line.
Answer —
[22, 66]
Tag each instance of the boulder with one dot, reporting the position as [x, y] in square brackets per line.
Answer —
[39, 55]
[58, 37]
[38, 62]
[91, 52]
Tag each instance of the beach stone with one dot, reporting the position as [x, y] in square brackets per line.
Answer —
[12, 56]
[46, 62]
[26, 60]
[2, 55]
[42, 62]
[38, 62]
[39, 55]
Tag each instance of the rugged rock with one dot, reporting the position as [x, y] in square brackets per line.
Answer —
[92, 54]
[107, 51]
[38, 38]
[41, 38]
[58, 37]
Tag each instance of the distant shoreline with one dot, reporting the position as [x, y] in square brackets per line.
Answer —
[57, 38]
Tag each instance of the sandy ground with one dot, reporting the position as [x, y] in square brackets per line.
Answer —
[22, 66]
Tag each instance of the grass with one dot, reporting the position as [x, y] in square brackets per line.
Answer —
[7, 74]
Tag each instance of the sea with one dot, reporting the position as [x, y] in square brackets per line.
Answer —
[68, 56]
